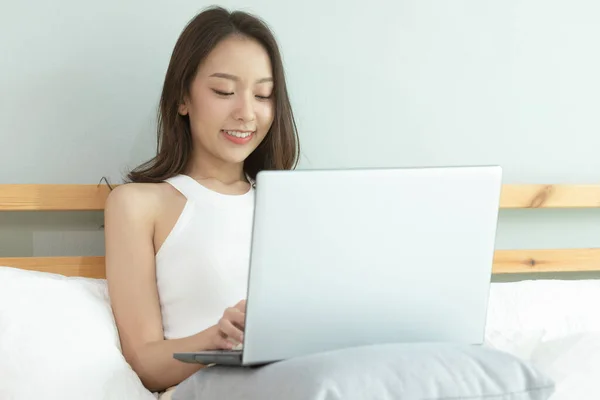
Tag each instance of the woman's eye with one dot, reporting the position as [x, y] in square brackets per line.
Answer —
[220, 93]
[225, 94]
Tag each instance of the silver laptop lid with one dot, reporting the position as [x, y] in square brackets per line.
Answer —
[365, 256]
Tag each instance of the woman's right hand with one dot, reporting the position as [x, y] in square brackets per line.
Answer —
[230, 328]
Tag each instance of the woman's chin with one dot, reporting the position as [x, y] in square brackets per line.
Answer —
[236, 156]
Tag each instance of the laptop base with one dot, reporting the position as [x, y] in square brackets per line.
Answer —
[221, 357]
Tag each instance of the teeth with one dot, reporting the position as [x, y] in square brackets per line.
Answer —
[238, 134]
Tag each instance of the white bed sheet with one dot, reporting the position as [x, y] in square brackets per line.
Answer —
[554, 324]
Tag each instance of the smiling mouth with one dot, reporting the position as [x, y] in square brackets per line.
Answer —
[238, 137]
[238, 134]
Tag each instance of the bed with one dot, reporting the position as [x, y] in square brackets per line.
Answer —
[57, 334]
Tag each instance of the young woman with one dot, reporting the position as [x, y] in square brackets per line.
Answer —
[178, 233]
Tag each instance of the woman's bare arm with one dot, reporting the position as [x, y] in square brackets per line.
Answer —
[130, 270]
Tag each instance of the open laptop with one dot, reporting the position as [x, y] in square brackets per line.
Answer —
[344, 258]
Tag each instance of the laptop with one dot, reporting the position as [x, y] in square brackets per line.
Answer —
[355, 257]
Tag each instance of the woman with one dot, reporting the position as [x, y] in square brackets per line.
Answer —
[178, 235]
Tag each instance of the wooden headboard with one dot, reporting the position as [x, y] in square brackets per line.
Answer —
[92, 198]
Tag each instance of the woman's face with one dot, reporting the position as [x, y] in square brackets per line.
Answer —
[230, 106]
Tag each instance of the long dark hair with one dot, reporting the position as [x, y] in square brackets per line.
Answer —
[280, 148]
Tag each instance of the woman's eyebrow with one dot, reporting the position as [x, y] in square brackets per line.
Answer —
[235, 78]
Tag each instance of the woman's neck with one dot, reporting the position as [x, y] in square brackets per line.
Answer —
[206, 167]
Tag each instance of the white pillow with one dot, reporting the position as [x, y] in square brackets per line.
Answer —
[58, 340]
[384, 372]
[573, 362]
[544, 309]
[523, 315]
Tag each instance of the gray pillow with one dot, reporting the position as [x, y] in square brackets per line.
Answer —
[393, 371]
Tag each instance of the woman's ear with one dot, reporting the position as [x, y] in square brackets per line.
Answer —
[183, 109]
[184, 102]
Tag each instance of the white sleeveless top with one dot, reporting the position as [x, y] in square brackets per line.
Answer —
[202, 267]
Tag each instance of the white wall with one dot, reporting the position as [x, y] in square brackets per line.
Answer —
[378, 83]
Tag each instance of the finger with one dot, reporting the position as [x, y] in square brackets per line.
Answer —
[230, 331]
[222, 343]
[241, 305]
[237, 317]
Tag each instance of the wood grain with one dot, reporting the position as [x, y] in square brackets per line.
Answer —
[93, 197]
[546, 260]
[48, 197]
[550, 196]
[88, 267]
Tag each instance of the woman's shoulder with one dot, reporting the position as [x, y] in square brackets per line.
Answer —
[137, 200]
